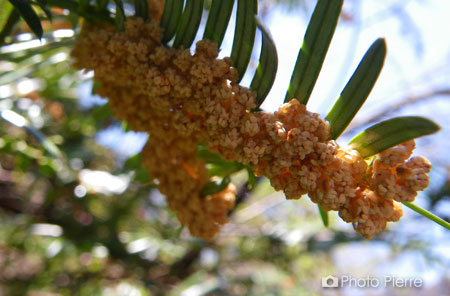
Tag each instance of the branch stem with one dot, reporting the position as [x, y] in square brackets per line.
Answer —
[428, 215]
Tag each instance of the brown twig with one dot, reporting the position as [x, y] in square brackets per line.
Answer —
[242, 195]
[401, 104]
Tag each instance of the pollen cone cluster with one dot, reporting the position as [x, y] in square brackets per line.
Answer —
[182, 99]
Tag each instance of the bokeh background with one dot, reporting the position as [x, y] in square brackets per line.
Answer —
[79, 215]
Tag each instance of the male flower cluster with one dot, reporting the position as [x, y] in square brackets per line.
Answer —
[182, 99]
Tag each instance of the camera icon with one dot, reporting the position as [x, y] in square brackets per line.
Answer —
[330, 282]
